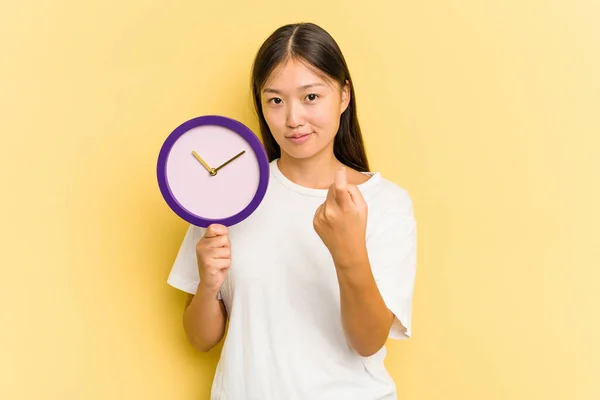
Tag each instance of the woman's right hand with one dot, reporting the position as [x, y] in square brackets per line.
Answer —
[213, 253]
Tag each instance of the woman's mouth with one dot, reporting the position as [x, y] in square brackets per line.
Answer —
[299, 138]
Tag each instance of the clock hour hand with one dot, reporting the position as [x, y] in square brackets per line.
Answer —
[230, 160]
[204, 164]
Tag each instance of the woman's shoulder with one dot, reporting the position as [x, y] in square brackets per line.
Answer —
[355, 177]
[390, 207]
[386, 193]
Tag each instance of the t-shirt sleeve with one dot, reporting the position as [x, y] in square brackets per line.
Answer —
[184, 272]
[392, 251]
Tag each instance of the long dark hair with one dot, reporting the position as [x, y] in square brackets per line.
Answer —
[313, 45]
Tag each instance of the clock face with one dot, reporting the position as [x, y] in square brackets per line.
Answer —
[213, 169]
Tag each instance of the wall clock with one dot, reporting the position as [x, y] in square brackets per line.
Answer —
[213, 170]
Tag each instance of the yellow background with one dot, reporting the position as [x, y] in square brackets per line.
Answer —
[488, 112]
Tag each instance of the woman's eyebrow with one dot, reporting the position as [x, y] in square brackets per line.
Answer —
[301, 88]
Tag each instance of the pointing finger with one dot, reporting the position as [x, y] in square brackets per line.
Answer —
[340, 179]
[341, 187]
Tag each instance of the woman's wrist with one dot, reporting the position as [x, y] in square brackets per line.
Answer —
[352, 258]
[207, 293]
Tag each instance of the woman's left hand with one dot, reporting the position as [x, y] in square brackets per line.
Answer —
[341, 221]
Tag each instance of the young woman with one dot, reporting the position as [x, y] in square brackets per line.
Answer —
[322, 273]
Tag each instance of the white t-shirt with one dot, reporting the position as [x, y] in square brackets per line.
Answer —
[285, 339]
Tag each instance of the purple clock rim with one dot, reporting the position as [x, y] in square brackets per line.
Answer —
[239, 128]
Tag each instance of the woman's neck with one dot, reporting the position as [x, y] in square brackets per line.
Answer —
[316, 172]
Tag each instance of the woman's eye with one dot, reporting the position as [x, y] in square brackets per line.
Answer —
[276, 100]
[312, 97]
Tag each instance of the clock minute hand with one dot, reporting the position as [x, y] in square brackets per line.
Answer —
[230, 160]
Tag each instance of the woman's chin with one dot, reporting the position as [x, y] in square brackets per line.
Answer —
[299, 154]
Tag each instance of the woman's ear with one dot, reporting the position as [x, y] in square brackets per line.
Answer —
[345, 96]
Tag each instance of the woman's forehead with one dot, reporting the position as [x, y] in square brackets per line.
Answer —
[295, 75]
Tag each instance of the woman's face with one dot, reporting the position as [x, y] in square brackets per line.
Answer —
[302, 109]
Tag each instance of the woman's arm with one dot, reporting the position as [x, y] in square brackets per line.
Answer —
[341, 223]
[204, 319]
[365, 316]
